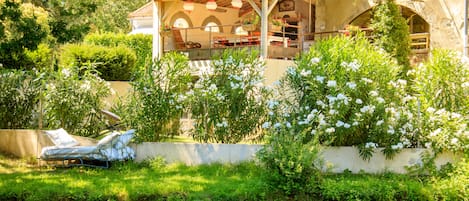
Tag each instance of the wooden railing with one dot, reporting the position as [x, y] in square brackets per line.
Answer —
[420, 42]
[199, 44]
[202, 45]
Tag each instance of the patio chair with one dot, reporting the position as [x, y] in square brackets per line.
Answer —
[113, 147]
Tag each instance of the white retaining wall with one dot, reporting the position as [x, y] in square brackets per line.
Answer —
[336, 159]
[28, 143]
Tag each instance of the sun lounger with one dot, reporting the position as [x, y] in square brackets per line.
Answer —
[113, 147]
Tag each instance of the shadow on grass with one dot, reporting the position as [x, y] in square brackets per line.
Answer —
[131, 181]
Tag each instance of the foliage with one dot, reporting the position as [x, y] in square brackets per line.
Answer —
[42, 58]
[73, 101]
[112, 63]
[292, 164]
[227, 101]
[158, 100]
[374, 187]
[19, 98]
[390, 32]
[443, 87]
[112, 16]
[154, 180]
[455, 186]
[16, 37]
[445, 130]
[252, 18]
[70, 20]
[443, 82]
[347, 92]
[139, 43]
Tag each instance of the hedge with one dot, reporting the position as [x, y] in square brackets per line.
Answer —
[141, 44]
[112, 63]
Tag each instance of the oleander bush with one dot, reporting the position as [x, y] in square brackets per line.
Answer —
[73, 100]
[227, 100]
[158, 99]
[291, 162]
[348, 92]
[19, 98]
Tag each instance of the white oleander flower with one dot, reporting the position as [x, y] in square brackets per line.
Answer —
[305, 73]
[331, 83]
[359, 101]
[351, 85]
[339, 123]
[320, 79]
[266, 125]
[315, 60]
[330, 130]
[346, 125]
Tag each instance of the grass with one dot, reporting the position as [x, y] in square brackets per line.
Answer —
[129, 181]
[22, 179]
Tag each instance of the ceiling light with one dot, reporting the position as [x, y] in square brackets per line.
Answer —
[211, 5]
[236, 3]
[188, 6]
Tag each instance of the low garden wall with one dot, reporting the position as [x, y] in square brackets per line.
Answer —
[28, 143]
[336, 159]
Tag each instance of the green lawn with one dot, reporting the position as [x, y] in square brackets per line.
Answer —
[153, 180]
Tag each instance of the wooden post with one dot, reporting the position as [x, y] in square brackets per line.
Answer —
[156, 46]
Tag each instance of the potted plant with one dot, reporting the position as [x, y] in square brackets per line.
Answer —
[165, 30]
[277, 24]
[250, 23]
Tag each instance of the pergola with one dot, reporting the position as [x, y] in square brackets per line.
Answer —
[263, 11]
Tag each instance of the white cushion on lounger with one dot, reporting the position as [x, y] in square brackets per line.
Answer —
[124, 139]
[61, 138]
[83, 152]
[108, 141]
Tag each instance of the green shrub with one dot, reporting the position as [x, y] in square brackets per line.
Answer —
[73, 102]
[19, 98]
[391, 32]
[141, 44]
[292, 164]
[227, 101]
[374, 187]
[347, 91]
[455, 186]
[158, 99]
[443, 82]
[112, 63]
[42, 58]
[443, 87]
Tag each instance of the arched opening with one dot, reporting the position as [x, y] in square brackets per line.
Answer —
[416, 23]
[213, 24]
[181, 20]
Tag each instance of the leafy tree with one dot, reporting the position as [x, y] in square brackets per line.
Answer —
[391, 32]
[69, 20]
[16, 37]
[111, 16]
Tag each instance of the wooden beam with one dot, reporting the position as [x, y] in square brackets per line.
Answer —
[255, 7]
[272, 6]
